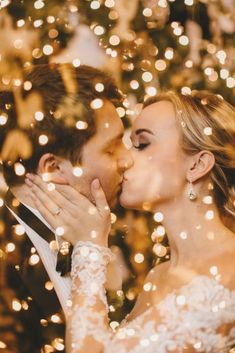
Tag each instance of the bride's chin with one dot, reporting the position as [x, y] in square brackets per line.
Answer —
[126, 202]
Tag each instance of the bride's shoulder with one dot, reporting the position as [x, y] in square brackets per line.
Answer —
[222, 268]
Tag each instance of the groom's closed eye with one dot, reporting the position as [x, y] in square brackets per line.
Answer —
[112, 146]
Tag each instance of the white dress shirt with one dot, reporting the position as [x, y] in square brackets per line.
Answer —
[62, 285]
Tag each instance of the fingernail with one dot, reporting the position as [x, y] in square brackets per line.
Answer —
[28, 182]
[96, 184]
[30, 176]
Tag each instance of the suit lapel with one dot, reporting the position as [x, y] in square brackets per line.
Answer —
[35, 276]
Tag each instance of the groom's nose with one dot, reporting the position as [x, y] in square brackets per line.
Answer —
[125, 161]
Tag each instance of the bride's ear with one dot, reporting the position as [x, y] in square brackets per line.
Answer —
[53, 165]
[200, 165]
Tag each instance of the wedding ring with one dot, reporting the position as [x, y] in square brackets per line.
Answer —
[57, 212]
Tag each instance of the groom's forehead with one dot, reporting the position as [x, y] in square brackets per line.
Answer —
[108, 122]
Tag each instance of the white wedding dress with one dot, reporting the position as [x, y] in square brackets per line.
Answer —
[199, 316]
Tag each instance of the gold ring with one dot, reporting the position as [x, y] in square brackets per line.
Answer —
[57, 212]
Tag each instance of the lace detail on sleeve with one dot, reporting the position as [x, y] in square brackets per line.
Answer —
[89, 262]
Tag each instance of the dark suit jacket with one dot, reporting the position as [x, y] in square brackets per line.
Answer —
[28, 283]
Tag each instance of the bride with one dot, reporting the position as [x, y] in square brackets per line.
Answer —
[183, 170]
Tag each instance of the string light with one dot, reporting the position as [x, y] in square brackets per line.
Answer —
[114, 40]
[43, 139]
[34, 260]
[49, 285]
[76, 62]
[169, 53]
[109, 3]
[3, 119]
[81, 125]
[77, 171]
[18, 43]
[230, 82]
[47, 49]
[95, 5]
[50, 19]
[160, 65]
[160, 250]
[39, 4]
[16, 305]
[151, 91]
[188, 2]
[10, 247]
[134, 84]
[183, 40]
[147, 12]
[139, 258]
[19, 169]
[224, 73]
[147, 76]
[20, 23]
[121, 111]
[38, 23]
[2, 345]
[209, 215]
[99, 87]
[27, 85]
[59, 231]
[158, 217]
[58, 344]
[97, 103]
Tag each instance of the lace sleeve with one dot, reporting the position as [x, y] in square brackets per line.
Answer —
[190, 318]
[87, 323]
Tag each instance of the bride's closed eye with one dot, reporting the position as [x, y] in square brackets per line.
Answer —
[141, 146]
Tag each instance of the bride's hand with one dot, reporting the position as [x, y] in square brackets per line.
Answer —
[71, 213]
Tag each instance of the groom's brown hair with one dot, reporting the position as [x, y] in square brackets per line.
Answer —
[67, 94]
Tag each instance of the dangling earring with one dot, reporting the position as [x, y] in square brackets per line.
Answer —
[191, 192]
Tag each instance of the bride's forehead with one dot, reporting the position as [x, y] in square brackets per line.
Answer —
[156, 116]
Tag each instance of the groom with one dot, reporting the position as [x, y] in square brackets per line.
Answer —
[84, 141]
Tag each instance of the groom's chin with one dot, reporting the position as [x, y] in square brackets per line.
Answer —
[113, 202]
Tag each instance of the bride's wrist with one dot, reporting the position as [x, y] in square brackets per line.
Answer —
[86, 249]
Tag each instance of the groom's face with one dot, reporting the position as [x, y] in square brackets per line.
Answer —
[103, 156]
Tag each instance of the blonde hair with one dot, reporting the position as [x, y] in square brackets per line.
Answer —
[208, 123]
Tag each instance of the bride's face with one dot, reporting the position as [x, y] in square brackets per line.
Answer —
[158, 173]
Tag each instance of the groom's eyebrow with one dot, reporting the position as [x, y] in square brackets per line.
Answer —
[114, 139]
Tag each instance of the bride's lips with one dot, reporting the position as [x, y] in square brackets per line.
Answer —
[124, 178]
[124, 181]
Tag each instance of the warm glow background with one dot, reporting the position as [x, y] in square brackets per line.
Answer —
[147, 45]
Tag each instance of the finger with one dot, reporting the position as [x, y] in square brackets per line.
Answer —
[61, 193]
[52, 220]
[72, 195]
[100, 198]
[47, 193]
[48, 203]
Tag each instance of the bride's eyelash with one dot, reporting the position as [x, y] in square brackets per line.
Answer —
[141, 146]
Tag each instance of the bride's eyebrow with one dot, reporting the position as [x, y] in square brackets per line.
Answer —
[139, 131]
[114, 140]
